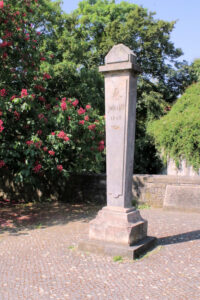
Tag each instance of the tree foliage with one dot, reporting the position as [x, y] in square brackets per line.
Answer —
[195, 70]
[90, 31]
[177, 135]
[70, 47]
[42, 135]
[88, 34]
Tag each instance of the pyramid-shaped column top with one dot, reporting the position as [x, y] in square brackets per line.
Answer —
[120, 57]
[120, 53]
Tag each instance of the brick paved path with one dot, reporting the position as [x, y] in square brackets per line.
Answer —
[41, 262]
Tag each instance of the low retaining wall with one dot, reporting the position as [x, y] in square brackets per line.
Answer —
[177, 192]
[77, 189]
[167, 191]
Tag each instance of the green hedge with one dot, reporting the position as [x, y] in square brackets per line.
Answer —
[177, 134]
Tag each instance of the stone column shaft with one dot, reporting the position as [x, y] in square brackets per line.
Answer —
[119, 227]
[120, 107]
[120, 91]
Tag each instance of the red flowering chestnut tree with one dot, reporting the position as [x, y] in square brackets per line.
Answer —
[41, 135]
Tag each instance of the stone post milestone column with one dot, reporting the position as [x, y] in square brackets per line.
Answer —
[119, 222]
[120, 103]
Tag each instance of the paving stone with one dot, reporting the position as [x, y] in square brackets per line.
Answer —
[43, 263]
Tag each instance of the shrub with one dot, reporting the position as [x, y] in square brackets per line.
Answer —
[177, 134]
[40, 135]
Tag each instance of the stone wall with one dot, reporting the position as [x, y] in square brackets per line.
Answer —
[173, 192]
[178, 192]
[77, 189]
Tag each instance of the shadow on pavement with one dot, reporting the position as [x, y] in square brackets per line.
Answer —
[14, 220]
[179, 238]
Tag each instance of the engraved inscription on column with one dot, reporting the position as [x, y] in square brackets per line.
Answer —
[116, 108]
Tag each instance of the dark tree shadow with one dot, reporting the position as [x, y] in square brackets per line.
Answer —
[137, 186]
[16, 219]
[76, 189]
[179, 238]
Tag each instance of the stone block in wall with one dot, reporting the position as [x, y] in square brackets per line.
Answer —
[146, 189]
[178, 192]
[154, 194]
[182, 197]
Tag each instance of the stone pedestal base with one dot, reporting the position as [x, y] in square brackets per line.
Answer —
[118, 225]
[118, 231]
[114, 249]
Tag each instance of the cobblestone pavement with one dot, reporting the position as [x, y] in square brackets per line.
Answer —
[39, 261]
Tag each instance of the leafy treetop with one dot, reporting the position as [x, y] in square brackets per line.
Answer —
[177, 134]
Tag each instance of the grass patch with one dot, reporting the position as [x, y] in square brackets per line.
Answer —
[117, 258]
[38, 226]
[140, 206]
[143, 206]
[71, 247]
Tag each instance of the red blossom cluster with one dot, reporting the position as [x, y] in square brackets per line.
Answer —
[1, 127]
[92, 127]
[1, 4]
[75, 103]
[51, 152]
[41, 98]
[39, 132]
[24, 93]
[101, 146]
[29, 143]
[38, 144]
[2, 164]
[37, 168]
[63, 104]
[13, 97]
[88, 107]
[5, 44]
[46, 76]
[62, 135]
[40, 88]
[59, 168]
[81, 111]
[17, 115]
[3, 93]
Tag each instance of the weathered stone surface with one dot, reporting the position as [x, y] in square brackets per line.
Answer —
[120, 103]
[146, 191]
[120, 53]
[118, 225]
[116, 249]
[118, 222]
[182, 197]
[120, 130]
[152, 189]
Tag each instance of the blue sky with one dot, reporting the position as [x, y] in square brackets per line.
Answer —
[186, 34]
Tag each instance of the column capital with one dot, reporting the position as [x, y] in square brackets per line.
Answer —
[120, 58]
